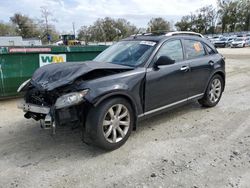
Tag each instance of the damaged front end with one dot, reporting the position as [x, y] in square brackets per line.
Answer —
[56, 94]
[52, 108]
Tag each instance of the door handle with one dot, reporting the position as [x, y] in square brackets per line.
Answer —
[184, 68]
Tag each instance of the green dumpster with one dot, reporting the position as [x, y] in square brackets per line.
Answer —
[17, 64]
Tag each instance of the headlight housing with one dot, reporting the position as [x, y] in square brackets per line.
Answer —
[23, 85]
[70, 99]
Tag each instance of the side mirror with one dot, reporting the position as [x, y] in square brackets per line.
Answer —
[164, 60]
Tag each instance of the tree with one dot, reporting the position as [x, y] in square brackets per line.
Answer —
[124, 28]
[228, 14]
[158, 25]
[84, 34]
[106, 29]
[97, 31]
[7, 29]
[54, 35]
[209, 17]
[45, 13]
[199, 23]
[185, 24]
[48, 30]
[25, 26]
[202, 21]
[243, 15]
[246, 4]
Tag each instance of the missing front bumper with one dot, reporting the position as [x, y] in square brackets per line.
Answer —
[51, 118]
[33, 111]
[48, 123]
[27, 107]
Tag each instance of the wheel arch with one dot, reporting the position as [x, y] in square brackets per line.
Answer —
[219, 72]
[120, 95]
[222, 74]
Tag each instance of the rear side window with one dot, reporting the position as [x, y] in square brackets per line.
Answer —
[172, 49]
[194, 49]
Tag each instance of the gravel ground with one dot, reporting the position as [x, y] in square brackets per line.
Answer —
[186, 147]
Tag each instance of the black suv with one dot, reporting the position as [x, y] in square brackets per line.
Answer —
[137, 77]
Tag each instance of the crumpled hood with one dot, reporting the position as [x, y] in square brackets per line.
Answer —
[56, 75]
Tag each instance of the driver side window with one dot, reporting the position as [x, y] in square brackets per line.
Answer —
[172, 49]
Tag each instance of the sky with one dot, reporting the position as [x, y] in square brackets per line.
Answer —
[85, 12]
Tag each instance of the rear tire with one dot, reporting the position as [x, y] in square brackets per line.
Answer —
[213, 92]
[110, 124]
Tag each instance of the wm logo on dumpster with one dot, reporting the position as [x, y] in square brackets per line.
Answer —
[45, 59]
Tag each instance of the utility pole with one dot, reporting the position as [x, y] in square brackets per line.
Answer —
[74, 31]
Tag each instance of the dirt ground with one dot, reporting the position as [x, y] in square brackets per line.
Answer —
[187, 147]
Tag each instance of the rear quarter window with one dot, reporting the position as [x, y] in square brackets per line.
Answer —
[210, 51]
[194, 49]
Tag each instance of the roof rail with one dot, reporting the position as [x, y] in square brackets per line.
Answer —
[184, 33]
[151, 33]
[172, 33]
[141, 34]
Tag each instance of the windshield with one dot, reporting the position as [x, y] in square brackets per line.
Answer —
[223, 39]
[239, 39]
[130, 53]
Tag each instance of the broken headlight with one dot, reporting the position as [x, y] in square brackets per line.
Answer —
[70, 99]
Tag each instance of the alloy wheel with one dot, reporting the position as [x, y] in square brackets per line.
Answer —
[116, 123]
[215, 90]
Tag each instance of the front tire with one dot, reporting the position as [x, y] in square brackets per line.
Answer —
[213, 92]
[110, 123]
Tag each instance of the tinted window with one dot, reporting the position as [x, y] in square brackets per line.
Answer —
[194, 49]
[172, 49]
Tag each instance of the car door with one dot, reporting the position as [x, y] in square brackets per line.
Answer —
[201, 65]
[167, 84]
